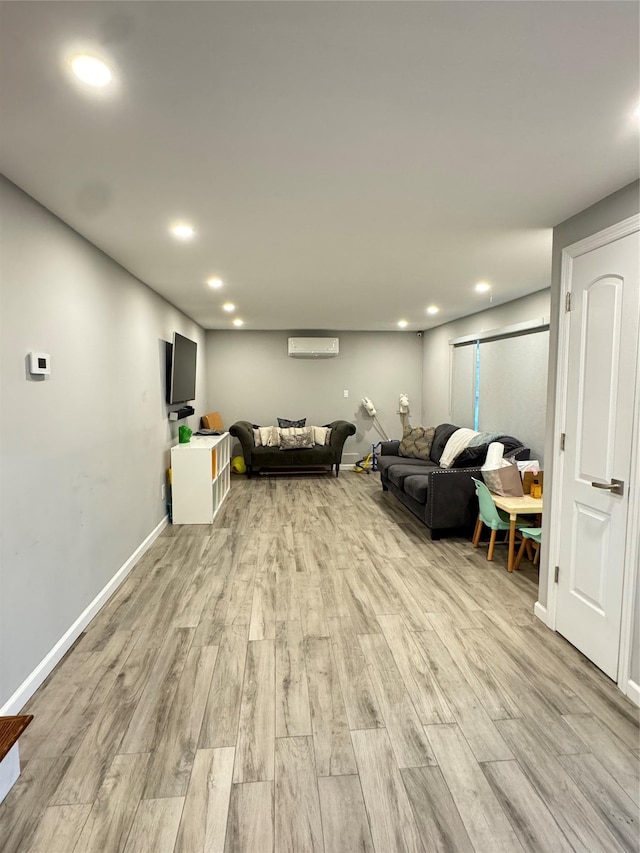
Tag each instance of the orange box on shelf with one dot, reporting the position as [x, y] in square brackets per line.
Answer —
[214, 464]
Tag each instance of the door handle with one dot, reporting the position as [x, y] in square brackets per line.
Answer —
[616, 487]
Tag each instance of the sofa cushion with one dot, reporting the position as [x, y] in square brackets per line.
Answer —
[416, 487]
[416, 442]
[442, 435]
[397, 474]
[386, 462]
[273, 457]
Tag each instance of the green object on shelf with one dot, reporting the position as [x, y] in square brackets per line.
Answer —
[184, 435]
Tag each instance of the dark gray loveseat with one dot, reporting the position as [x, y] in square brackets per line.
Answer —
[261, 458]
[443, 498]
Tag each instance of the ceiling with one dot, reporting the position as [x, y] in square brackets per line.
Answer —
[344, 164]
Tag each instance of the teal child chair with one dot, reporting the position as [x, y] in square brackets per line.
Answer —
[533, 534]
[492, 517]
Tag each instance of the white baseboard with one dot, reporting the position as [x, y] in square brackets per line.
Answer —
[540, 611]
[633, 692]
[35, 679]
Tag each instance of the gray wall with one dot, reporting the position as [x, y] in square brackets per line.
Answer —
[610, 210]
[436, 353]
[84, 452]
[252, 378]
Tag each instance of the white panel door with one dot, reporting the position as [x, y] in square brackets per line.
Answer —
[603, 341]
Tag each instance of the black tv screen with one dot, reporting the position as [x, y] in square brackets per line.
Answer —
[183, 370]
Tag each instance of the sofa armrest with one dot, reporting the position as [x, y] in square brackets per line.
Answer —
[389, 448]
[243, 431]
[340, 432]
[451, 498]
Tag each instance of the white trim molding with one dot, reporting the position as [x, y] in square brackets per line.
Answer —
[633, 692]
[540, 611]
[35, 679]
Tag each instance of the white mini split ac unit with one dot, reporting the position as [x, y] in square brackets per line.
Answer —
[313, 347]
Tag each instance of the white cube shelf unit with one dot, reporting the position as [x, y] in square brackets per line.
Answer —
[200, 478]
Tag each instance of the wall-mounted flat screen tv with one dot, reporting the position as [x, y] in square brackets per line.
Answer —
[182, 386]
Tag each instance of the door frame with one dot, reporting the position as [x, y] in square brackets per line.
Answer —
[632, 547]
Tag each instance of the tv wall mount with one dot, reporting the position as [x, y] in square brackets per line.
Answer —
[184, 412]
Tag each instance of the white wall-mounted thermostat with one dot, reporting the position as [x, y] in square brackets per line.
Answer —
[39, 363]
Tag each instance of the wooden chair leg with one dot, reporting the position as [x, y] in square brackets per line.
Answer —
[492, 544]
[476, 533]
[536, 549]
[521, 550]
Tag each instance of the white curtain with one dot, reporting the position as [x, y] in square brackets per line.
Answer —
[463, 384]
[513, 388]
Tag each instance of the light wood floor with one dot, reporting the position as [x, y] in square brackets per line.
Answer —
[312, 673]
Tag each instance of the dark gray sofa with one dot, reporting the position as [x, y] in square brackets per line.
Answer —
[442, 498]
[263, 458]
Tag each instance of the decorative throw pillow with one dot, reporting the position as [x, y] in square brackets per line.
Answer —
[285, 423]
[321, 435]
[296, 439]
[257, 440]
[270, 436]
[290, 430]
[416, 442]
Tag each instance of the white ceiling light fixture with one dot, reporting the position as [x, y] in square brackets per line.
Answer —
[432, 309]
[215, 283]
[403, 324]
[483, 287]
[238, 322]
[91, 70]
[183, 231]
[228, 306]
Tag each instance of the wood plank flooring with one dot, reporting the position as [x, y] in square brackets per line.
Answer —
[312, 673]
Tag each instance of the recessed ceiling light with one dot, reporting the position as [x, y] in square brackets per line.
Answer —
[228, 306]
[403, 324]
[183, 232]
[92, 71]
[432, 309]
[238, 322]
[483, 286]
[215, 283]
